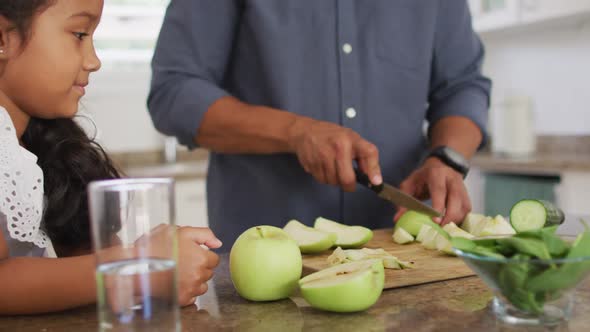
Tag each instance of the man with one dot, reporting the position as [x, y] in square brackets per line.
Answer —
[287, 94]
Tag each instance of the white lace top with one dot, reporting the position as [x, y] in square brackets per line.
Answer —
[21, 195]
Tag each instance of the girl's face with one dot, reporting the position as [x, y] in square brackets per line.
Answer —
[46, 75]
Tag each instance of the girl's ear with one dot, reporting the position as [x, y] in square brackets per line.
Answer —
[7, 38]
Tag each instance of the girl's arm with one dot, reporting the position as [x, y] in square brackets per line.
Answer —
[36, 285]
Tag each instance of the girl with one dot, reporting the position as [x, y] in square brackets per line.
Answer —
[46, 162]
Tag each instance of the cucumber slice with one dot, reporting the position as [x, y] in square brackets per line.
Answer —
[534, 214]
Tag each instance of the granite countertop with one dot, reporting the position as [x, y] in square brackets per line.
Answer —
[189, 165]
[554, 155]
[455, 305]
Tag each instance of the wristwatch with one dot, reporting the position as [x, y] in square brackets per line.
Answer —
[451, 157]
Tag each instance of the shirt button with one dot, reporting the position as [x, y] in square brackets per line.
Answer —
[350, 113]
[347, 48]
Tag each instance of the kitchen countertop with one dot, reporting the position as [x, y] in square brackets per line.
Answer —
[537, 164]
[553, 156]
[455, 305]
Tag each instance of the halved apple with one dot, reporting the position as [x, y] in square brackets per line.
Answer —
[309, 239]
[346, 236]
[340, 256]
[412, 221]
[401, 236]
[348, 287]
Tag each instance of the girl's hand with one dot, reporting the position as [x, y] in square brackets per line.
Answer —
[195, 262]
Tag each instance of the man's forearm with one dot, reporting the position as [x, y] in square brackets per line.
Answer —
[231, 126]
[457, 132]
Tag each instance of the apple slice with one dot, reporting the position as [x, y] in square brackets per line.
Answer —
[429, 241]
[412, 221]
[401, 236]
[425, 229]
[346, 236]
[473, 223]
[347, 287]
[340, 256]
[309, 239]
[455, 231]
[497, 226]
[443, 244]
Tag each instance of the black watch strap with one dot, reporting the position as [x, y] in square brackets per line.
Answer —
[452, 158]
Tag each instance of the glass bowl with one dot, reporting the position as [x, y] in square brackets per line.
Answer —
[532, 291]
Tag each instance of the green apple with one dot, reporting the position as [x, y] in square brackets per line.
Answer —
[348, 287]
[412, 221]
[340, 256]
[455, 231]
[346, 236]
[497, 226]
[265, 264]
[309, 239]
[401, 236]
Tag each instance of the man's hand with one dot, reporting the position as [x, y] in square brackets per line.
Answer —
[326, 151]
[443, 185]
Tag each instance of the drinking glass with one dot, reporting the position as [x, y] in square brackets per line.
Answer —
[134, 240]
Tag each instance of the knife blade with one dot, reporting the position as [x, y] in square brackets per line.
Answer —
[395, 196]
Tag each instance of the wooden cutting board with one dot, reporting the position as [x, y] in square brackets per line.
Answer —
[429, 265]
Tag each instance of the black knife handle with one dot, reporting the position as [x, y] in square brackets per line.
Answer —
[363, 179]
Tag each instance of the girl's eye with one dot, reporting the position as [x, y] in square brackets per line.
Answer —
[80, 35]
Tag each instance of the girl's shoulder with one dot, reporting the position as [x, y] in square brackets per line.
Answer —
[6, 124]
[21, 186]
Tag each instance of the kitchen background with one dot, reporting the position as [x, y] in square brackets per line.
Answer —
[538, 55]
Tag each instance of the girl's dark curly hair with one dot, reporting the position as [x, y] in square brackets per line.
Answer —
[68, 157]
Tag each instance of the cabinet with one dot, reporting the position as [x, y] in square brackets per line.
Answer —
[538, 10]
[496, 15]
[493, 14]
[129, 29]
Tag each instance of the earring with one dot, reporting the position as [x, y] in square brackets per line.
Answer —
[1, 51]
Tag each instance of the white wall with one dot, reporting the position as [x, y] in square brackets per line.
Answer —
[116, 100]
[551, 65]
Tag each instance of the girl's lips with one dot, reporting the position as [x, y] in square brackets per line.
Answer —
[80, 89]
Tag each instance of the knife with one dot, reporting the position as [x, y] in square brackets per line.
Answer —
[395, 196]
